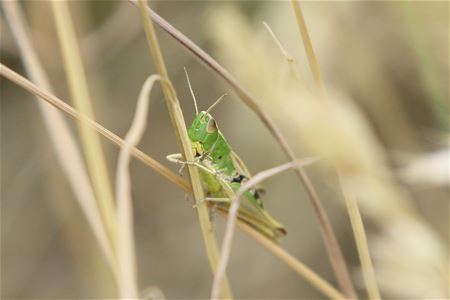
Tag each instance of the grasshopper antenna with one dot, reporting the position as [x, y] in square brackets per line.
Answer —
[192, 91]
[217, 102]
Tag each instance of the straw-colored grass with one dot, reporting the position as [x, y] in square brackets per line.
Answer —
[328, 235]
[231, 224]
[63, 141]
[361, 244]
[176, 116]
[300, 268]
[322, 120]
[78, 86]
[127, 274]
[336, 130]
[351, 203]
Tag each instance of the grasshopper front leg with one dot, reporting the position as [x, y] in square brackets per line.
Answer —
[177, 158]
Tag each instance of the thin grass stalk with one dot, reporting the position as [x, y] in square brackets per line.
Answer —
[62, 139]
[361, 243]
[283, 51]
[125, 237]
[179, 125]
[331, 244]
[231, 223]
[338, 263]
[312, 60]
[301, 269]
[289, 59]
[60, 104]
[73, 66]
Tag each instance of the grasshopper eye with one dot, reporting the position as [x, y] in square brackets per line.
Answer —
[212, 126]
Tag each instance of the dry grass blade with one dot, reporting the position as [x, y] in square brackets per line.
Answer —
[80, 94]
[63, 141]
[125, 238]
[232, 217]
[361, 242]
[301, 269]
[313, 64]
[339, 265]
[332, 246]
[288, 57]
[179, 125]
[58, 103]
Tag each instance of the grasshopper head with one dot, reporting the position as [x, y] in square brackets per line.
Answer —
[203, 129]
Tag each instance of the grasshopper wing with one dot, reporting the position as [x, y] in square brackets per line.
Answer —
[251, 209]
[241, 168]
[239, 165]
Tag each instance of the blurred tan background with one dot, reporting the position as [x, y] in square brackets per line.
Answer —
[390, 58]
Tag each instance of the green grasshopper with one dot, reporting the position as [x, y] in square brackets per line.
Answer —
[222, 172]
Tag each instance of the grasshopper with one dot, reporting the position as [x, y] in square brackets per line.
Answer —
[222, 172]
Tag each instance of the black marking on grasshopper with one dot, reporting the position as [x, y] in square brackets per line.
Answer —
[239, 178]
